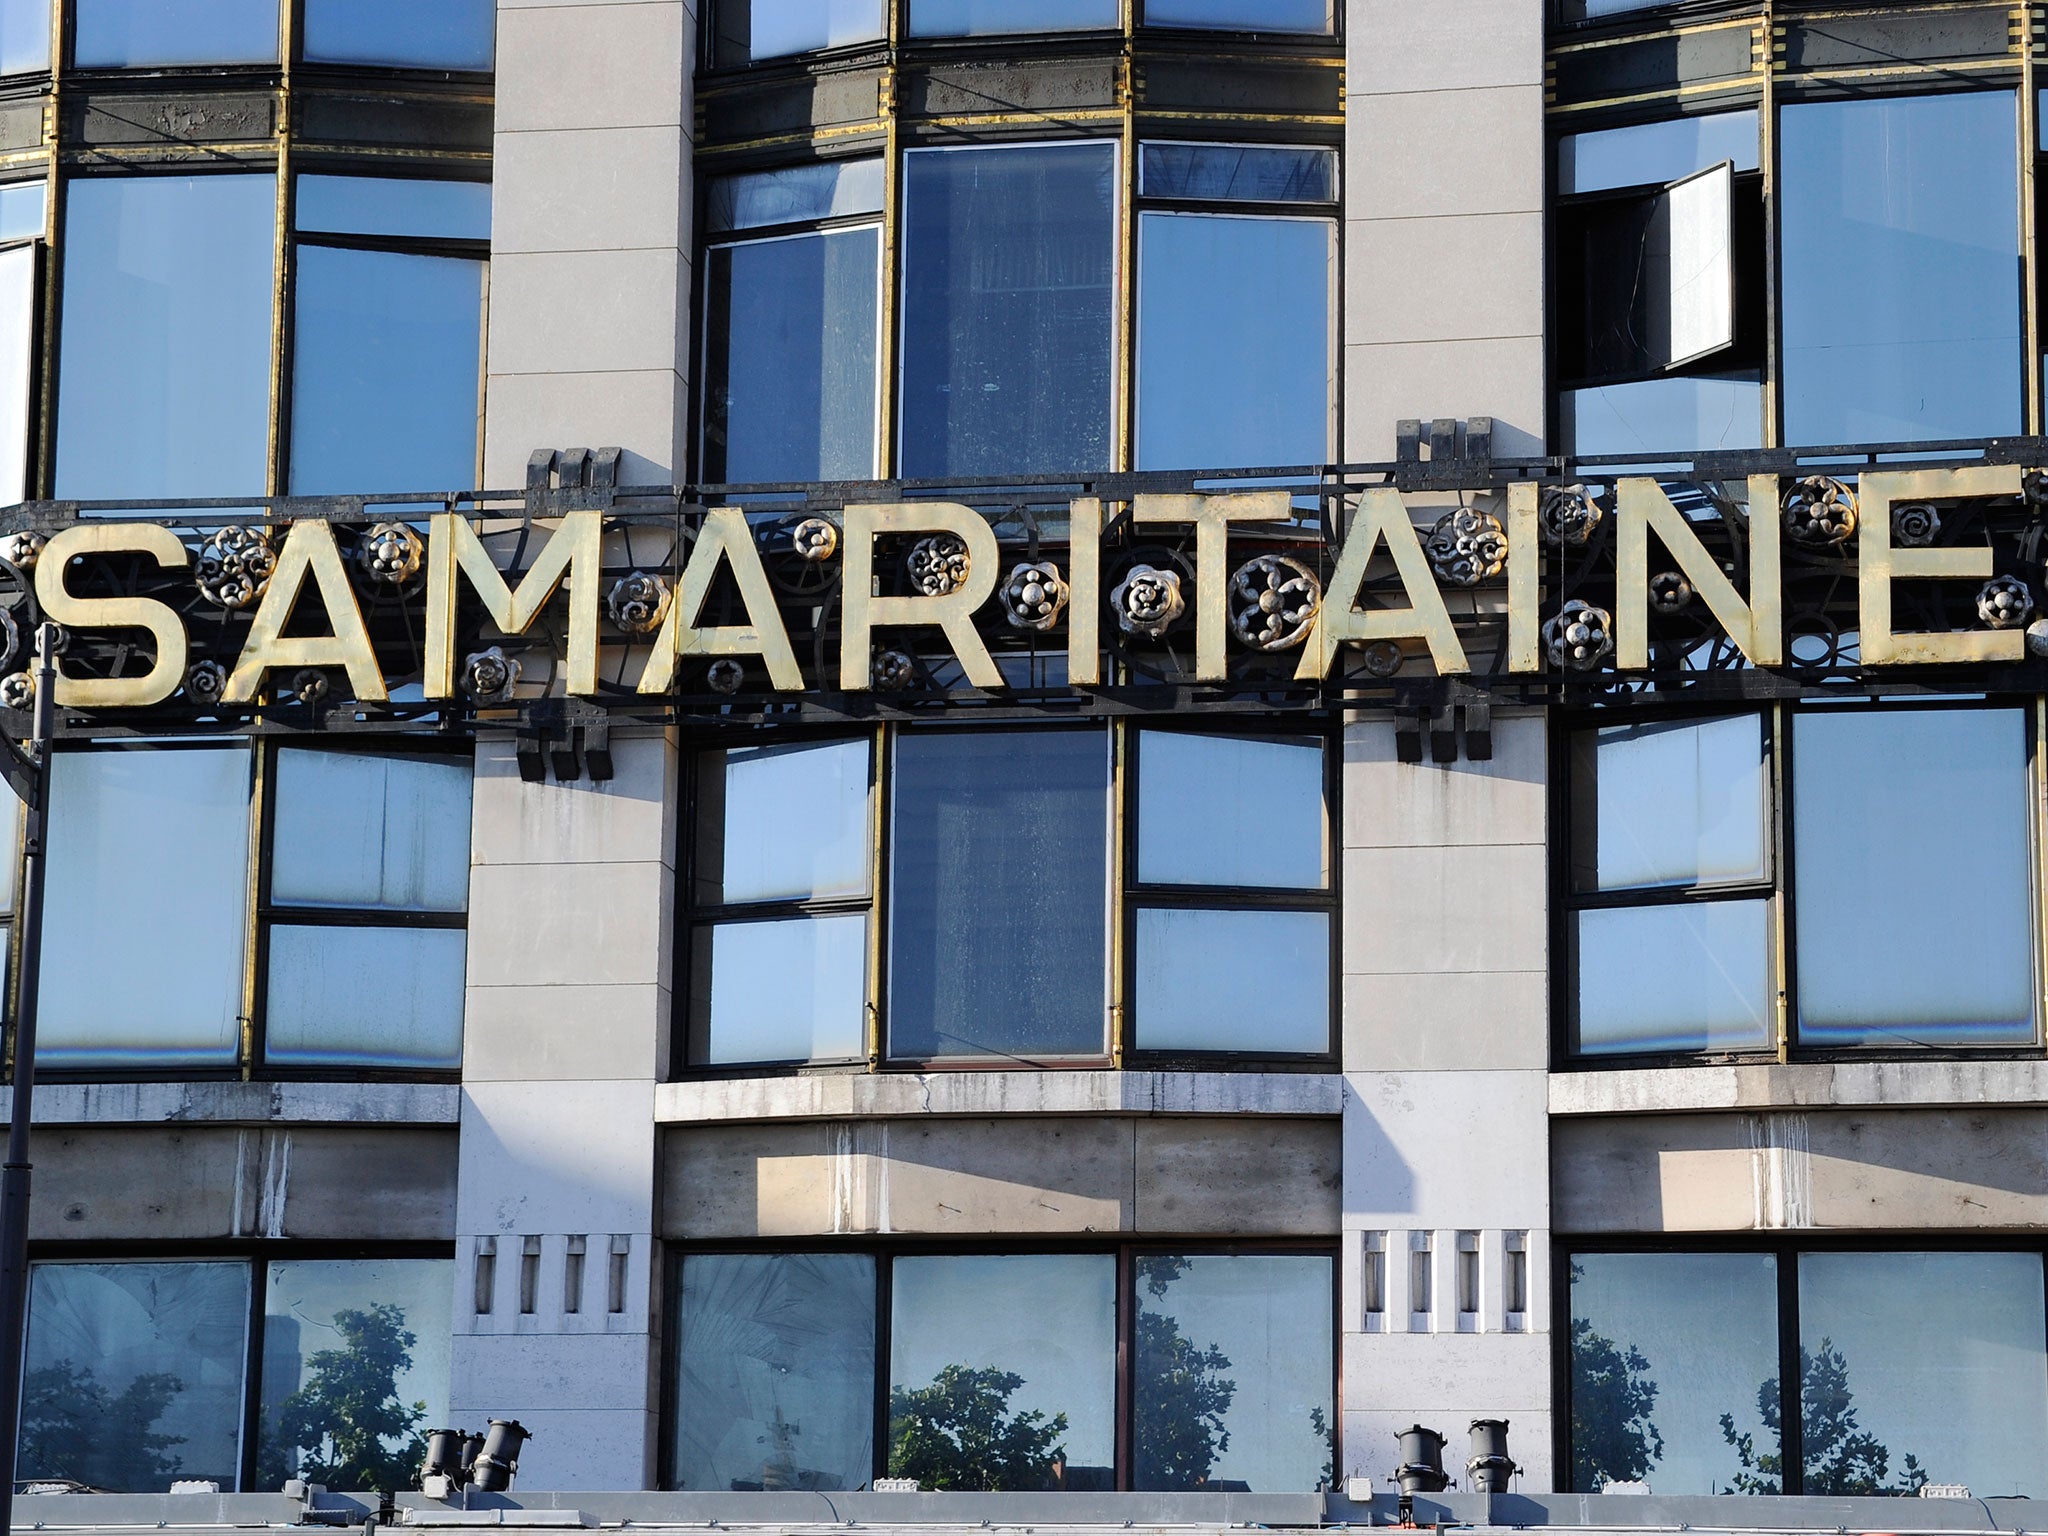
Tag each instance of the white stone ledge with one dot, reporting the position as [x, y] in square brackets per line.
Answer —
[243, 1103]
[856, 1095]
[1799, 1085]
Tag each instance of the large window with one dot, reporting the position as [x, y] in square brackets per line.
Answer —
[449, 34]
[151, 34]
[1005, 1371]
[1911, 1368]
[1690, 850]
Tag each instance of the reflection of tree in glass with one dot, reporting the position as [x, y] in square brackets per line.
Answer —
[958, 1433]
[1614, 1439]
[1181, 1395]
[341, 1423]
[1840, 1457]
[73, 1427]
[1320, 1423]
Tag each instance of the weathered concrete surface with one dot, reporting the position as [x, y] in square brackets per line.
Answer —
[1813, 1084]
[851, 1095]
[243, 1103]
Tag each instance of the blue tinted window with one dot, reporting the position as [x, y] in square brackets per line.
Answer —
[1238, 173]
[1242, 15]
[1647, 154]
[769, 29]
[440, 34]
[834, 189]
[22, 209]
[1674, 415]
[143, 34]
[983, 18]
[395, 206]
[24, 36]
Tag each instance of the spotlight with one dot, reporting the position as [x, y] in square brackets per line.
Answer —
[494, 1467]
[1422, 1462]
[1490, 1468]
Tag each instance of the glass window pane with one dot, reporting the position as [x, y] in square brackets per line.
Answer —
[385, 365]
[1232, 1374]
[1009, 279]
[1242, 15]
[142, 34]
[449, 34]
[1681, 415]
[1662, 1345]
[791, 347]
[1674, 803]
[11, 813]
[1650, 154]
[1022, 1344]
[776, 1389]
[23, 204]
[999, 901]
[17, 368]
[1230, 810]
[149, 860]
[789, 990]
[134, 1372]
[835, 189]
[394, 205]
[769, 29]
[360, 829]
[782, 823]
[164, 389]
[354, 1348]
[1900, 293]
[1920, 935]
[1585, 10]
[1233, 981]
[1235, 361]
[1922, 1367]
[1711, 961]
[1238, 172]
[318, 1010]
[984, 18]
[24, 36]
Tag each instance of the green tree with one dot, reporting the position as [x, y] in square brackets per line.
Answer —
[1841, 1458]
[1181, 1394]
[958, 1433]
[72, 1427]
[1614, 1439]
[346, 1425]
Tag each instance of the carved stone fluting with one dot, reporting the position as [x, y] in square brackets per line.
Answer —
[1580, 637]
[1670, 592]
[638, 603]
[1273, 602]
[1467, 547]
[2004, 602]
[309, 685]
[1148, 601]
[23, 549]
[1915, 524]
[940, 564]
[1820, 510]
[391, 555]
[205, 682]
[1568, 514]
[1382, 658]
[17, 690]
[234, 566]
[725, 675]
[894, 672]
[1035, 595]
[2037, 637]
[489, 676]
[815, 539]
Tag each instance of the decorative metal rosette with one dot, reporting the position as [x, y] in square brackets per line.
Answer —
[490, 676]
[234, 566]
[1820, 510]
[309, 685]
[1273, 601]
[939, 564]
[638, 603]
[2034, 487]
[1035, 595]
[10, 637]
[2037, 637]
[1568, 514]
[894, 672]
[2004, 602]
[1148, 601]
[1670, 592]
[17, 690]
[815, 539]
[391, 555]
[726, 675]
[1580, 637]
[1467, 547]
[206, 682]
[23, 549]
[1915, 524]
[1382, 658]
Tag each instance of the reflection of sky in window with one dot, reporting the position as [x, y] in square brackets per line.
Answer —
[1709, 961]
[1647, 154]
[24, 36]
[140, 34]
[1680, 804]
[982, 18]
[304, 1297]
[446, 34]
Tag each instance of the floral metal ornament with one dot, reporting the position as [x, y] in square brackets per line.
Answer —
[234, 566]
[1568, 514]
[894, 671]
[1580, 637]
[940, 564]
[23, 549]
[490, 676]
[638, 603]
[1820, 510]
[1035, 595]
[725, 675]
[1148, 601]
[2037, 637]
[2004, 602]
[10, 638]
[2034, 487]
[1382, 658]
[1467, 547]
[1273, 602]
[391, 555]
[309, 686]
[815, 539]
[205, 682]
[17, 690]
[1915, 524]
[1670, 592]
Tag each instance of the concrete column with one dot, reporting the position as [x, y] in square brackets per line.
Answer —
[567, 1031]
[590, 235]
[1443, 213]
[1444, 1310]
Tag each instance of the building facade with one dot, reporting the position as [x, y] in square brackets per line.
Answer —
[1175, 732]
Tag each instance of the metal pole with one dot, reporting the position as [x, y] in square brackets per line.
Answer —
[14, 1173]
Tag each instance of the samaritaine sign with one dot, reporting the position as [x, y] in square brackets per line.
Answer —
[1386, 583]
